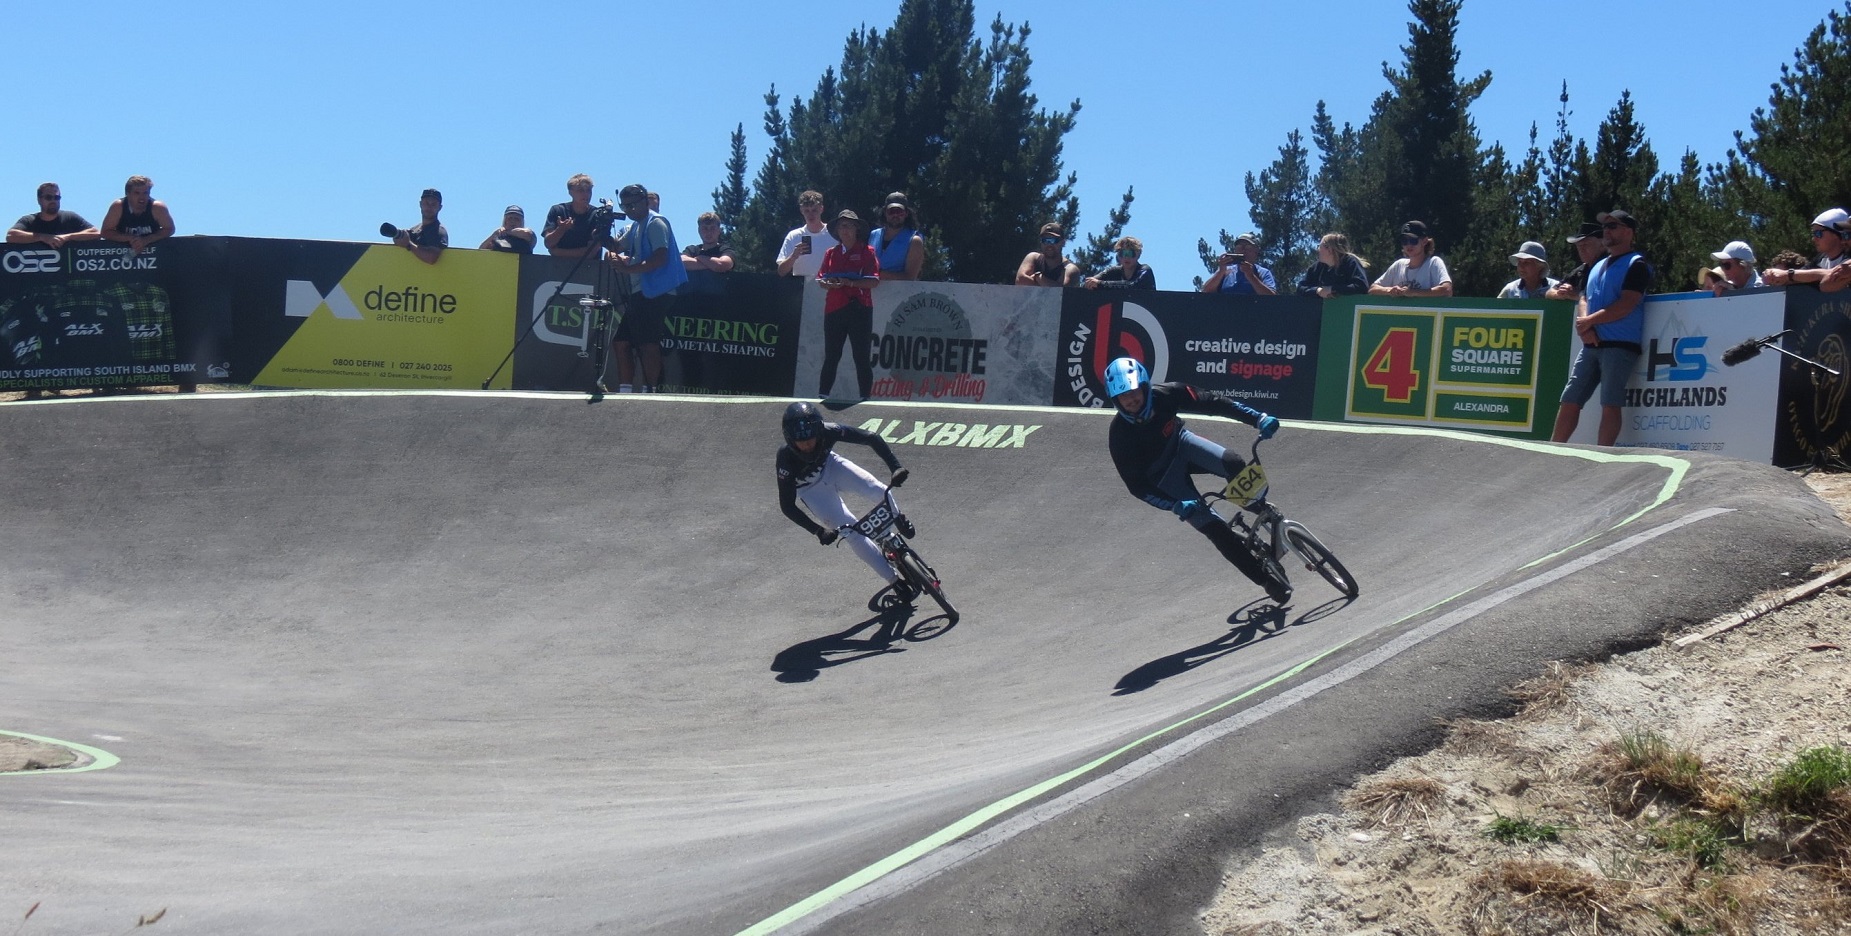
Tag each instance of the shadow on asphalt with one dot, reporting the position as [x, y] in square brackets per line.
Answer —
[1253, 622]
[892, 622]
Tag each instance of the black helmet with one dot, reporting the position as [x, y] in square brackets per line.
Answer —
[802, 421]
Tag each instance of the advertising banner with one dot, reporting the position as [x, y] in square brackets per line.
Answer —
[1260, 350]
[93, 314]
[944, 342]
[1812, 425]
[330, 315]
[731, 333]
[1681, 394]
[1458, 364]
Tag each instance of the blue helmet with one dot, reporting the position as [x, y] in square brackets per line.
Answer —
[802, 421]
[1126, 374]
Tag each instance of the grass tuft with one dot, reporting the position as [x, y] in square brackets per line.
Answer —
[1804, 786]
[1511, 830]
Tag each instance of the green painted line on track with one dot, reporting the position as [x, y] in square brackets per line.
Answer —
[99, 758]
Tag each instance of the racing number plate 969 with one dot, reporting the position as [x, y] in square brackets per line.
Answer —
[1246, 487]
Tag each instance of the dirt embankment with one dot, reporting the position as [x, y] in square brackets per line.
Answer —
[1643, 795]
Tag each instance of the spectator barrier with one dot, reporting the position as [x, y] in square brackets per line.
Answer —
[316, 314]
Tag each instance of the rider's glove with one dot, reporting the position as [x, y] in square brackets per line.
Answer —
[898, 478]
[826, 537]
[1186, 509]
[1267, 426]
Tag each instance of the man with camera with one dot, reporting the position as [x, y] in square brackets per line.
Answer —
[568, 231]
[1238, 272]
[645, 253]
[427, 238]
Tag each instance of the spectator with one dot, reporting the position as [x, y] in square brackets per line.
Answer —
[1832, 273]
[1610, 320]
[655, 202]
[897, 242]
[1418, 272]
[647, 254]
[1589, 247]
[136, 219]
[1787, 260]
[712, 255]
[568, 230]
[1338, 272]
[849, 271]
[1238, 271]
[513, 236]
[1048, 266]
[1129, 273]
[801, 254]
[1533, 281]
[51, 225]
[1735, 269]
[427, 238]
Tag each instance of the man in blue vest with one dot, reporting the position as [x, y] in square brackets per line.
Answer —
[1610, 319]
[647, 254]
[896, 243]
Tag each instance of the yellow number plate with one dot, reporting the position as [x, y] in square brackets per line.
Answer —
[1246, 487]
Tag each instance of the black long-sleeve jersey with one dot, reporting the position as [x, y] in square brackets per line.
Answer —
[796, 469]
[1138, 447]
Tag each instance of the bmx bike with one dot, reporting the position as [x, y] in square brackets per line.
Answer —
[878, 526]
[1271, 536]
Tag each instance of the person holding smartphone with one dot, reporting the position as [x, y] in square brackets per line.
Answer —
[849, 273]
[802, 251]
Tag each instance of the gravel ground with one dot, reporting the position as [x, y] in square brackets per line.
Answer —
[1410, 852]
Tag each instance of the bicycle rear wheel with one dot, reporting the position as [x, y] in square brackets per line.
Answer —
[921, 575]
[1318, 558]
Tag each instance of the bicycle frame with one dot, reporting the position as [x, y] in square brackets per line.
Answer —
[1271, 535]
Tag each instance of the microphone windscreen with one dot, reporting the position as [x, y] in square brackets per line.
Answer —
[1741, 352]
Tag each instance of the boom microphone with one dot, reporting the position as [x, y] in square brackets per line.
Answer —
[1750, 348]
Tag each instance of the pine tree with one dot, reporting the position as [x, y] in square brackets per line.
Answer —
[1285, 208]
[729, 200]
[922, 108]
[1789, 167]
[1097, 253]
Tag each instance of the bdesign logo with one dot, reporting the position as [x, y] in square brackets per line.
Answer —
[30, 261]
[301, 299]
[1133, 332]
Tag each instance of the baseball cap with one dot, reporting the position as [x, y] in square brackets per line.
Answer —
[1832, 218]
[1620, 215]
[1416, 228]
[514, 209]
[1588, 229]
[1738, 250]
[1531, 250]
[1054, 228]
[633, 193]
[897, 200]
[1250, 237]
[432, 193]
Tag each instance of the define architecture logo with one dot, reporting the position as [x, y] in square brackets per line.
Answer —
[928, 352]
[1116, 329]
[301, 299]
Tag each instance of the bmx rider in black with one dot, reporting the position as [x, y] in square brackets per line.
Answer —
[810, 470]
[1156, 456]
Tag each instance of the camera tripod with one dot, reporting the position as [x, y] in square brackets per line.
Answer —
[601, 314]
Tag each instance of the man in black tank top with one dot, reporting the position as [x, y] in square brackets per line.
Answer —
[1047, 266]
[136, 219]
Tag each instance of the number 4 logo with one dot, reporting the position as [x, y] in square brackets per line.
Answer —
[1391, 369]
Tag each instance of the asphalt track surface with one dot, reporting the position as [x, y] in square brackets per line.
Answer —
[511, 663]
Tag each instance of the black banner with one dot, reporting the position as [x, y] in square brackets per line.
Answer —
[732, 333]
[276, 285]
[92, 314]
[1815, 424]
[1260, 350]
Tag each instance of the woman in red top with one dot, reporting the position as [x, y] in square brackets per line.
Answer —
[849, 274]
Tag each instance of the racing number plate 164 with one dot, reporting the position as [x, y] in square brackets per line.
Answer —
[1246, 487]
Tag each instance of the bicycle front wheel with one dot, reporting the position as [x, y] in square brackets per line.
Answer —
[921, 575]
[1318, 558]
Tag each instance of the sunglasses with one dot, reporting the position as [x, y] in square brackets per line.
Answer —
[1821, 233]
[1612, 226]
[1409, 240]
[1127, 254]
[61, 198]
[1050, 240]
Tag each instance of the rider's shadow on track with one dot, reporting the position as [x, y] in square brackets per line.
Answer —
[805, 661]
[1253, 622]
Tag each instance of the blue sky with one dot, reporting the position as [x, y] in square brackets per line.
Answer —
[282, 120]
